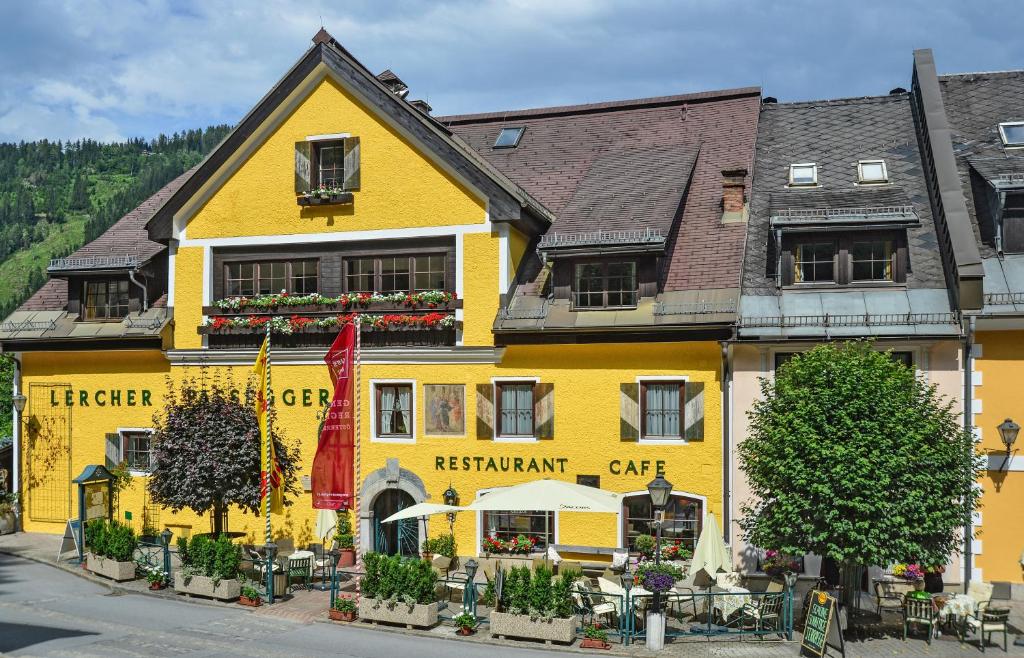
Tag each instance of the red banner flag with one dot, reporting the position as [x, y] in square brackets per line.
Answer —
[332, 476]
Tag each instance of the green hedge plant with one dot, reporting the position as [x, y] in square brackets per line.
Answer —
[218, 559]
[111, 540]
[393, 578]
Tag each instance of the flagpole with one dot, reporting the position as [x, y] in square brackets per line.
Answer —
[266, 427]
[357, 395]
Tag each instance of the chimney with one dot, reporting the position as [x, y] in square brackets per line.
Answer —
[421, 105]
[733, 185]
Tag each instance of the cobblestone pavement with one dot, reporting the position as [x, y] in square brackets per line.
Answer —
[44, 611]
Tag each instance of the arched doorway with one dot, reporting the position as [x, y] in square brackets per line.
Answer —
[401, 537]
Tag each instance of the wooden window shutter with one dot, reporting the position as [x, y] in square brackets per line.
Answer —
[113, 457]
[484, 411]
[303, 168]
[900, 274]
[787, 265]
[544, 411]
[351, 163]
[629, 412]
[693, 412]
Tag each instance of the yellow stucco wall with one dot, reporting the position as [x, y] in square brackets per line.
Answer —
[586, 382]
[1002, 511]
[400, 188]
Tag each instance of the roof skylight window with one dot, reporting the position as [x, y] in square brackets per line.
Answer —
[1012, 133]
[872, 171]
[805, 174]
[509, 137]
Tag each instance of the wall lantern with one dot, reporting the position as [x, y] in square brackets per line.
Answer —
[451, 496]
[1008, 431]
[19, 402]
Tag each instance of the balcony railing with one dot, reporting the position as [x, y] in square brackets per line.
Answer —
[93, 263]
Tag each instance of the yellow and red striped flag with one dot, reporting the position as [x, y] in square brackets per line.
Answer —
[276, 478]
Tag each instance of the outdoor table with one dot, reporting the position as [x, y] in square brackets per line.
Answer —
[956, 608]
[730, 600]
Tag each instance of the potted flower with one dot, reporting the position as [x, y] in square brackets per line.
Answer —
[776, 564]
[465, 623]
[675, 551]
[156, 577]
[344, 541]
[912, 573]
[595, 637]
[344, 609]
[644, 545]
[250, 596]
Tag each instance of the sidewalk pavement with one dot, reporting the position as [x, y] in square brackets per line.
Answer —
[307, 607]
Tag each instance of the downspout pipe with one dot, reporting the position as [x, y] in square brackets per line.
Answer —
[16, 440]
[726, 445]
[968, 427]
[145, 290]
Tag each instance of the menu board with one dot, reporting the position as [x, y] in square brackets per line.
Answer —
[820, 626]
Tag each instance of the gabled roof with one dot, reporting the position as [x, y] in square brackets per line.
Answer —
[507, 201]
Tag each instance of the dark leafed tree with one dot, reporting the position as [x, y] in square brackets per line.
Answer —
[207, 449]
[851, 456]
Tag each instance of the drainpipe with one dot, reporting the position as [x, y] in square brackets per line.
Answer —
[16, 440]
[726, 445]
[968, 408]
[145, 291]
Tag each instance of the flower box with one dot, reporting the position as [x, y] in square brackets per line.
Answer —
[591, 643]
[338, 615]
[252, 603]
[104, 566]
[504, 625]
[419, 615]
[444, 337]
[329, 200]
[336, 309]
[225, 590]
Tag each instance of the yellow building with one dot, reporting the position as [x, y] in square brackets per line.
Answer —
[594, 256]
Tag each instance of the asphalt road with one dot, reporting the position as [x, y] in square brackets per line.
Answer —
[48, 612]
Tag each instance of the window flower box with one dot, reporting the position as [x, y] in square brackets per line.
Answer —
[299, 324]
[108, 568]
[504, 624]
[224, 590]
[426, 301]
[330, 199]
[418, 615]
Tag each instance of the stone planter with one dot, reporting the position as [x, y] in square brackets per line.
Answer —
[8, 523]
[504, 624]
[421, 615]
[225, 590]
[104, 566]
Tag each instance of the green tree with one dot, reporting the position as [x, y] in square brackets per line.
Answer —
[6, 406]
[852, 457]
[206, 454]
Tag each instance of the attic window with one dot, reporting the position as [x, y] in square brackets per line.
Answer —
[872, 171]
[804, 174]
[509, 138]
[1012, 133]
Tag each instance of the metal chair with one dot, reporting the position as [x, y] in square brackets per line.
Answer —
[302, 568]
[987, 622]
[888, 599]
[763, 615]
[593, 604]
[321, 562]
[922, 612]
[259, 562]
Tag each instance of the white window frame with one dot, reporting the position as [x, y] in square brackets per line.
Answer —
[374, 438]
[494, 413]
[122, 431]
[554, 531]
[814, 169]
[872, 181]
[1002, 134]
[643, 379]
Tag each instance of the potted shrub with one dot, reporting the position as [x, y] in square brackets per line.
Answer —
[465, 623]
[344, 609]
[537, 607]
[441, 545]
[398, 591]
[644, 545]
[111, 547]
[344, 541]
[156, 577]
[8, 521]
[250, 596]
[595, 637]
[209, 568]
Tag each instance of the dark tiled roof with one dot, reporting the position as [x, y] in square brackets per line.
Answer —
[836, 135]
[127, 237]
[568, 152]
[976, 103]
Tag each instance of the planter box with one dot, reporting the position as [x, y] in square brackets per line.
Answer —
[252, 603]
[338, 309]
[421, 615]
[334, 199]
[590, 643]
[7, 523]
[104, 566]
[225, 590]
[504, 624]
[338, 615]
[251, 339]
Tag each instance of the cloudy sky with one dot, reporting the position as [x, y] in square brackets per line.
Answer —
[110, 69]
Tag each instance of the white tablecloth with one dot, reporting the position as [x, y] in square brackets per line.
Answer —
[729, 600]
[958, 605]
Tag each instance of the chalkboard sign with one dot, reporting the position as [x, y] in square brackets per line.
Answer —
[821, 626]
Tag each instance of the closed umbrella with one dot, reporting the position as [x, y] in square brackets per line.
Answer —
[710, 554]
[326, 521]
[422, 509]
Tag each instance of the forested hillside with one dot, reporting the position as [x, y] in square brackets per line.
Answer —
[56, 196]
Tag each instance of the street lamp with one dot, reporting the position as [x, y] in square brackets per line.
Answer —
[19, 402]
[469, 594]
[659, 489]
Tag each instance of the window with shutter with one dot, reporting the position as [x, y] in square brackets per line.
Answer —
[514, 409]
[661, 410]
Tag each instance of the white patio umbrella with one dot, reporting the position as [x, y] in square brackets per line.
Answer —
[422, 509]
[326, 521]
[710, 554]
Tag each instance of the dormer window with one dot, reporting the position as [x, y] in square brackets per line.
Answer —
[803, 175]
[872, 172]
[606, 284]
[1012, 133]
[843, 258]
[106, 299]
[509, 137]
